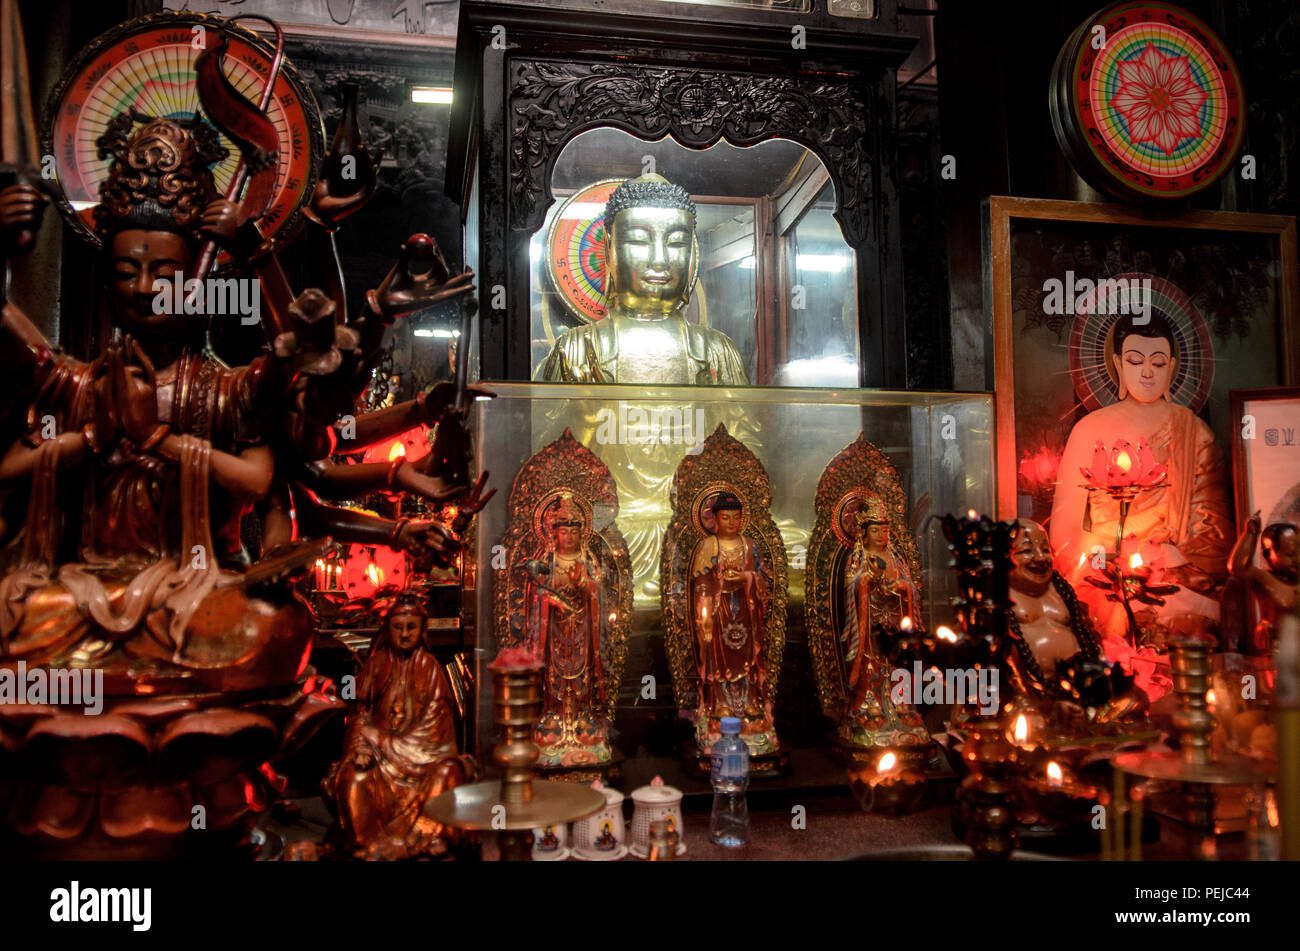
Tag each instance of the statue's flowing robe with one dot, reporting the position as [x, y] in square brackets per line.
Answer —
[406, 723]
[569, 646]
[737, 611]
[872, 588]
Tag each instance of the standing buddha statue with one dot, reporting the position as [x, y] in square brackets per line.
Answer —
[730, 595]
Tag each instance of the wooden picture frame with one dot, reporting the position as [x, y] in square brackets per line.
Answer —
[1274, 436]
[1203, 249]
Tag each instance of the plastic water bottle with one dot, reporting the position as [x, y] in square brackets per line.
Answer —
[729, 773]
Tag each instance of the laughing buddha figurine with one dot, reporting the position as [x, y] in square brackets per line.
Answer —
[650, 267]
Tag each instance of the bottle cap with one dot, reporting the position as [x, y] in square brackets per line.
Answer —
[730, 726]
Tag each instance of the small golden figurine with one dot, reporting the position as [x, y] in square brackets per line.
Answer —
[650, 274]
[564, 592]
[723, 595]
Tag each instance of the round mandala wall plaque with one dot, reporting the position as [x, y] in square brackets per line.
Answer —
[1147, 103]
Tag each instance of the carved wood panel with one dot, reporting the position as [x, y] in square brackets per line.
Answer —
[550, 102]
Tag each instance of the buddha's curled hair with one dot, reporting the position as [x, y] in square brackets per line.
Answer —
[649, 191]
[160, 178]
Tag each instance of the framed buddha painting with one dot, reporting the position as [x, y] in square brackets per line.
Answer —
[1061, 276]
[1117, 340]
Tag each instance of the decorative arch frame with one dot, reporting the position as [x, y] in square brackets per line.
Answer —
[552, 102]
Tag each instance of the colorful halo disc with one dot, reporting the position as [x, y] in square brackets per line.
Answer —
[147, 64]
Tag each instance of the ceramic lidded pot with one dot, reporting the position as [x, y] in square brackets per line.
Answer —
[653, 803]
[600, 837]
[550, 843]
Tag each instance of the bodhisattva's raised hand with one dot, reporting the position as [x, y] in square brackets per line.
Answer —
[420, 278]
[134, 390]
[22, 207]
[330, 209]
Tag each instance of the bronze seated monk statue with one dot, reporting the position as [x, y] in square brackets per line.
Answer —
[400, 748]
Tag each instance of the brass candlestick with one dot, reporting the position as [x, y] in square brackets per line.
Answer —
[1192, 765]
[516, 804]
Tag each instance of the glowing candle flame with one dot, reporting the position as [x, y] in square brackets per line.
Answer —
[375, 574]
[971, 514]
[1124, 460]
[398, 451]
[1021, 731]
[1054, 775]
[905, 624]
[1135, 561]
[1209, 697]
[945, 633]
[886, 763]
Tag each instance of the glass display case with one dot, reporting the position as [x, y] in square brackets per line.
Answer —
[773, 271]
[788, 157]
[620, 461]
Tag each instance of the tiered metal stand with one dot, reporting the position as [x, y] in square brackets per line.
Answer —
[516, 804]
[1192, 765]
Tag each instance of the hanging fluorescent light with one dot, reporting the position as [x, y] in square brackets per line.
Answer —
[439, 95]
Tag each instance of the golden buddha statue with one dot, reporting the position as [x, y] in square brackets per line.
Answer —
[650, 273]
[731, 591]
[1183, 527]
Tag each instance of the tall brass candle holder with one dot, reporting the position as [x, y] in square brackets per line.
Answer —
[1192, 765]
[517, 803]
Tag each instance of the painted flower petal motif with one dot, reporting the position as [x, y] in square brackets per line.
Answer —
[1150, 471]
[1096, 473]
[1160, 99]
[1123, 466]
